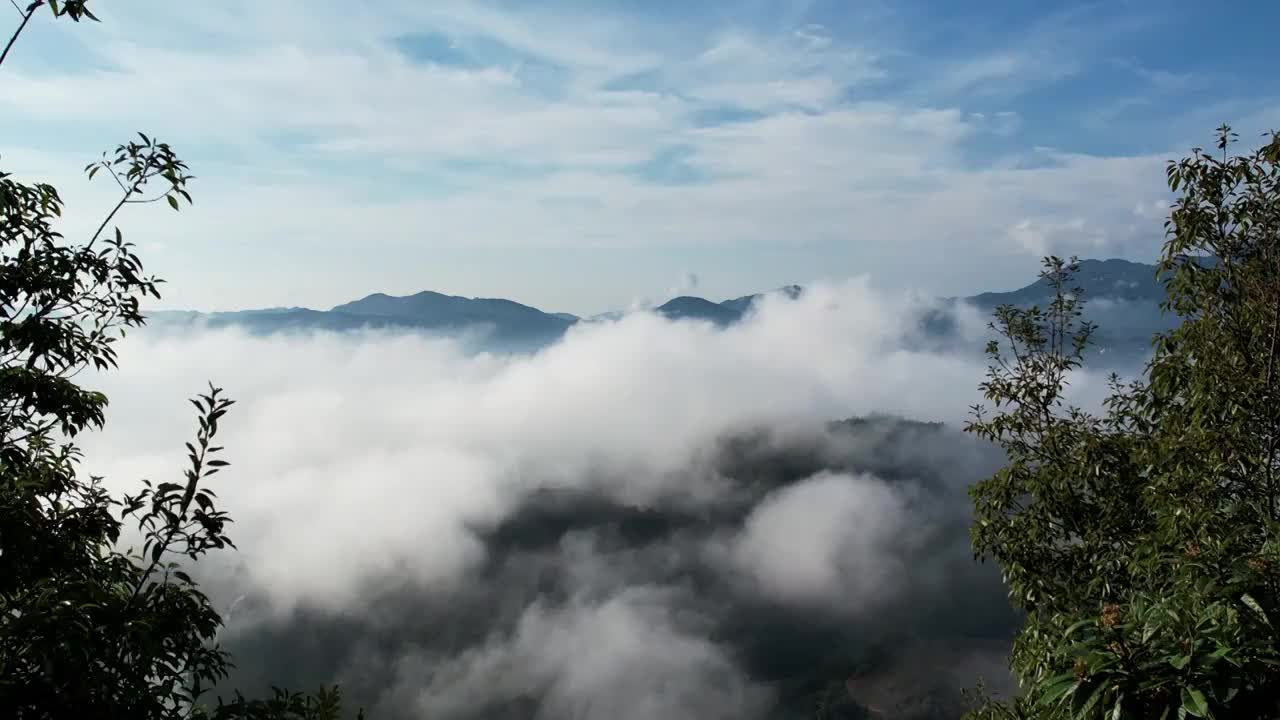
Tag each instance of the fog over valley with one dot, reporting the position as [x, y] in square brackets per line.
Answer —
[650, 517]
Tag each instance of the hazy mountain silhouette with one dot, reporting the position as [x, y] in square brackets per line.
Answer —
[1115, 280]
[695, 308]
[1121, 296]
[494, 324]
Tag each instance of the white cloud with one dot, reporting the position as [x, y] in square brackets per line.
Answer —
[353, 455]
[804, 71]
[372, 466]
[832, 540]
[1062, 238]
[964, 76]
[625, 657]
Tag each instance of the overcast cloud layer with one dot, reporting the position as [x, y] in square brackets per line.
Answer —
[648, 519]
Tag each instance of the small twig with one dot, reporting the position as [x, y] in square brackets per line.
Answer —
[25, 19]
[115, 176]
[158, 198]
[98, 233]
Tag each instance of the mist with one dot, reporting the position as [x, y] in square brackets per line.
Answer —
[648, 519]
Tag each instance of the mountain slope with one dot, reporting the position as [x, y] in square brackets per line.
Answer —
[1121, 297]
[743, 304]
[1114, 280]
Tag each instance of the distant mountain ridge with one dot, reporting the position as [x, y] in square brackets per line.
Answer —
[1122, 296]
[1113, 279]
[497, 324]
[689, 307]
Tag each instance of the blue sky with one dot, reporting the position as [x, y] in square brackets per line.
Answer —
[582, 156]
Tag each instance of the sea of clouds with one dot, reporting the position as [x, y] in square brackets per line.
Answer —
[651, 518]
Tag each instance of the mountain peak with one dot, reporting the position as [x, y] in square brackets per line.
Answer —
[689, 307]
[686, 300]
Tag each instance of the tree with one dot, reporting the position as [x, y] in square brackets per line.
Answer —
[89, 630]
[1143, 543]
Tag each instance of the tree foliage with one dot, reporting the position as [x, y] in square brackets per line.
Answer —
[1143, 543]
[88, 629]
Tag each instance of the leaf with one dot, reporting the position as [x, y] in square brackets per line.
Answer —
[1076, 626]
[173, 201]
[1057, 687]
[1253, 605]
[1118, 708]
[1194, 703]
[1086, 695]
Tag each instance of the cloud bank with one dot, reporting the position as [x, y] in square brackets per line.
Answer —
[647, 519]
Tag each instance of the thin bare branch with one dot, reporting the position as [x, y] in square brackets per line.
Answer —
[26, 18]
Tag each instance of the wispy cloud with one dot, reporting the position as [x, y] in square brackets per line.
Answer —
[413, 128]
